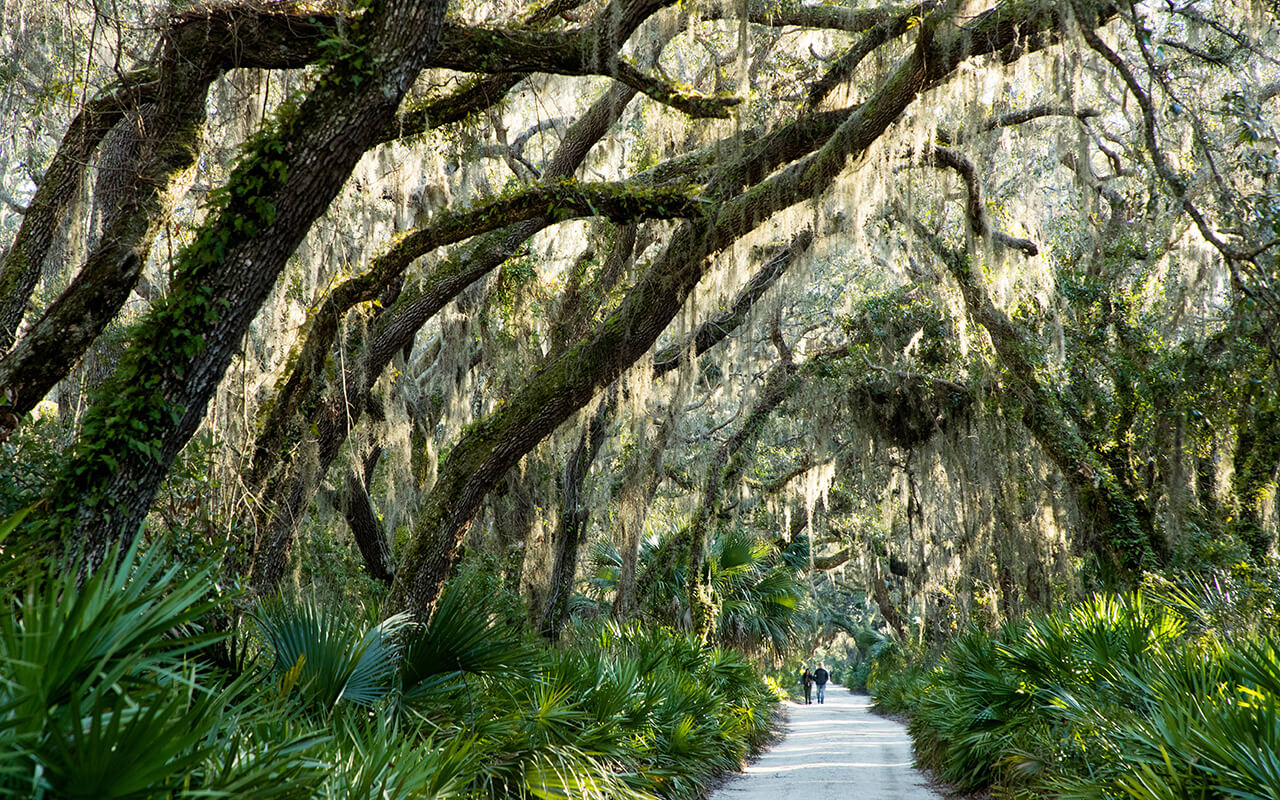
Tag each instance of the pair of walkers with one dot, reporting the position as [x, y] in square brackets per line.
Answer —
[820, 676]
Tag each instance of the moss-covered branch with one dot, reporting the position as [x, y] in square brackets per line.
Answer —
[307, 409]
[718, 328]
[566, 53]
[831, 17]
[566, 383]
[20, 269]
[554, 202]
[167, 130]
[886, 29]
[180, 351]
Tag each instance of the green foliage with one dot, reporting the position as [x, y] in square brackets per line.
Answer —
[101, 693]
[904, 319]
[755, 587]
[106, 691]
[27, 458]
[464, 636]
[328, 656]
[1136, 695]
[759, 593]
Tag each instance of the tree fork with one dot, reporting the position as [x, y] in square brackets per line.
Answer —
[58, 340]
[20, 270]
[565, 384]
[184, 346]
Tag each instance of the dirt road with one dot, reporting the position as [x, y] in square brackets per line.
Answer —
[835, 751]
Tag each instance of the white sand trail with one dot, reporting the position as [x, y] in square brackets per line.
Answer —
[835, 751]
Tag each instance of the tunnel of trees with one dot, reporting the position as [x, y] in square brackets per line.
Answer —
[384, 348]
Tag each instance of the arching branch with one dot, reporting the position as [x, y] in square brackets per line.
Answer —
[718, 328]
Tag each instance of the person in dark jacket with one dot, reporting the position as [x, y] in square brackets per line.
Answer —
[820, 677]
[807, 679]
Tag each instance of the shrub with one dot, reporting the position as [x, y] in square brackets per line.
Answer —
[1110, 698]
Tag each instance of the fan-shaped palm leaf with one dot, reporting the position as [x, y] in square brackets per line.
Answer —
[460, 638]
[334, 660]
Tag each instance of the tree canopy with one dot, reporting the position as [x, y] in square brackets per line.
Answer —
[956, 306]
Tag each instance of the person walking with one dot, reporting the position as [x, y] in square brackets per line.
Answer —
[807, 679]
[820, 677]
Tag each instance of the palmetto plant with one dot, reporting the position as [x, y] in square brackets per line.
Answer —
[330, 658]
[100, 695]
[106, 692]
[462, 638]
[754, 589]
[1110, 698]
[759, 594]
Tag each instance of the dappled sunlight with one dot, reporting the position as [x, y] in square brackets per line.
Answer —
[828, 765]
[830, 751]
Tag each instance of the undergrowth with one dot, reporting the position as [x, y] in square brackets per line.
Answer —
[111, 687]
[1164, 694]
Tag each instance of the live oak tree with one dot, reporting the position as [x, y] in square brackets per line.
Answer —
[705, 144]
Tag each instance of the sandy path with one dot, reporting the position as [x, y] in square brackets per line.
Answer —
[835, 750]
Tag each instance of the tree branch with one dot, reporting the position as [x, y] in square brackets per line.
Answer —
[831, 17]
[717, 329]
[20, 269]
[565, 53]
[975, 208]
[1163, 168]
[889, 28]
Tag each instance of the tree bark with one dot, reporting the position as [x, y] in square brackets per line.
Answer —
[357, 508]
[890, 612]
[169, 128]
[573, 517]
[566, 383]
[20, 270]
[158, 396]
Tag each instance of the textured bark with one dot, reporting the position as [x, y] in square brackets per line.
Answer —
[483, 92]
[357, 508]
[20, 270]
[568, 53]
[825, 16]
[197, 47]
[885, 29]
[834, 560]
[890, 612]
[573, 518]
[305, 403]
[186, 342]
[168, 130]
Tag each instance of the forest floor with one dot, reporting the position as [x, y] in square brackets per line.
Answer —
[835, 750]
